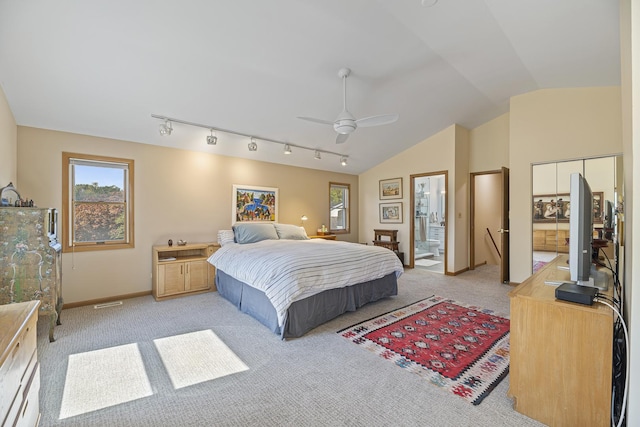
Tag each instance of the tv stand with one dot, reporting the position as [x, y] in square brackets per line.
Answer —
[561, 354]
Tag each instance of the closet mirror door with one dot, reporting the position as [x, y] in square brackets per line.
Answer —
[551, 209]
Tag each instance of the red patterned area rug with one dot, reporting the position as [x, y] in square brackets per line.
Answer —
[461, 348]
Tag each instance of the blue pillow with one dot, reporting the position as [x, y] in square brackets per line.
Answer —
[254, 232]
[291, 232]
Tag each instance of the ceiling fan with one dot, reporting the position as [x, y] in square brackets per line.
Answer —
[345, 123]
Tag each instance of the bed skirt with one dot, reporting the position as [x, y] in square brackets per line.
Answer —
[306, 314]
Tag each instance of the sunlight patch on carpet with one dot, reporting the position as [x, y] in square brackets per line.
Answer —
[103, 378]
[459, 347]
[197, 357]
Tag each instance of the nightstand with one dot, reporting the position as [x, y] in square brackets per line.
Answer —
[325, 237]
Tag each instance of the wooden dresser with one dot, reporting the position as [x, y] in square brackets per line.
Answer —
[561, 354]
[19, 367]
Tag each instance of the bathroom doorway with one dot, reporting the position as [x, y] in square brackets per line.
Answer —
[428, 221]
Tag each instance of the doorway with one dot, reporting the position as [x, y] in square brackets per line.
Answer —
[428, 222]
[489, 217]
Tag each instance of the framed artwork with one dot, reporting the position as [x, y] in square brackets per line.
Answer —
[391, 188]
[557, 207]
[391, 213]
[254, 204]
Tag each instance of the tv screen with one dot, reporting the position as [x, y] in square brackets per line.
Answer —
[580, 229]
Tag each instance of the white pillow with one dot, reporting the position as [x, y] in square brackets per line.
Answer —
[225, 237]
[291, 232]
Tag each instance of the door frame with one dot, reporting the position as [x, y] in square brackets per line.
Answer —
[412, 221]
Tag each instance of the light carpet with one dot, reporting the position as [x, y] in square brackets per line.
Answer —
[459, 347]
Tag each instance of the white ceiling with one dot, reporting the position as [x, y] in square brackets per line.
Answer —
[104, 67]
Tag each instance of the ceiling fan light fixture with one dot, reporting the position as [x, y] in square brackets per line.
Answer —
[344, 126]
[343, 160]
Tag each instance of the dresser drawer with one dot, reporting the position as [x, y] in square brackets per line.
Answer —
[17, 370]
[29, 413]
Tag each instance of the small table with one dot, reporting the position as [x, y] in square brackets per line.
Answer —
[325, 237]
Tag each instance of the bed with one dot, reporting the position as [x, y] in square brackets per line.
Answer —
[291, 283]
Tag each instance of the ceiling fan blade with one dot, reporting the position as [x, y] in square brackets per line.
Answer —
[311, 119]
[342, 137]
[384, 119]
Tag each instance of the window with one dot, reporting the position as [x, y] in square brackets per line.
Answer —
[97, 203]
[339, 207]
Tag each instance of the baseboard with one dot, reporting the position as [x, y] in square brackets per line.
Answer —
[103, 300]
[455, 273]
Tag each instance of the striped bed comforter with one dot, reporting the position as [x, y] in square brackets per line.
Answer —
[291, 270]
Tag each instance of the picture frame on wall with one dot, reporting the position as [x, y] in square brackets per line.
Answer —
[391, 213]
[557, 207]
[252, 203]
[391, 188]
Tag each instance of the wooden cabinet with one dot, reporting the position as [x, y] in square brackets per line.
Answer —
[551, 240]
[31, 261]
[19, 367]
[561, 354]
[180, 270]
[324, 236]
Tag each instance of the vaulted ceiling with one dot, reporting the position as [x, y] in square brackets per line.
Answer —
[103, 68]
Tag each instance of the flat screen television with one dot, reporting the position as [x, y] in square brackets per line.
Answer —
[582, 270]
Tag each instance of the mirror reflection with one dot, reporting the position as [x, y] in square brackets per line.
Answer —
[551, 209]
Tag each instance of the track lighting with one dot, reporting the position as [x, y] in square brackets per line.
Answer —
[165, 128]
[212, 139]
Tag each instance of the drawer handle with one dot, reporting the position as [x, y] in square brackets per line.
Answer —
[24, 411]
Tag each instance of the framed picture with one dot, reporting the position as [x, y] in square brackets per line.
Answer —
[251, 203]
[557, 207]
[391, 213]
[597, 206]
[391, 188]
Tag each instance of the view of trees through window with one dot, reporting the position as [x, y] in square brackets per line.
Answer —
[98, 212]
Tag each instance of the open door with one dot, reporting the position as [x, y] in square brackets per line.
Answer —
[504, 227]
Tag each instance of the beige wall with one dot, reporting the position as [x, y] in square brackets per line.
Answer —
[8, 144]
[179, 194]
[489, 145]
[435, 154]
[549, 125]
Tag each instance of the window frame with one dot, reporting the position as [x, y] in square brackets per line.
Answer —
[67, 200]
[347, 209]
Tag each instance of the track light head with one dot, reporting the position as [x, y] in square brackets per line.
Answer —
[343, 160]
[165, 128]
[252, 145]
[212, 139]
[317, 156]
[287, 149]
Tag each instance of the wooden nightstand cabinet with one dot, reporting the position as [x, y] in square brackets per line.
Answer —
[181, 270]
[324, 236]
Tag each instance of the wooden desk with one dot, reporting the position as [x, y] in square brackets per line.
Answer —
[561, 354]
[386, 238]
